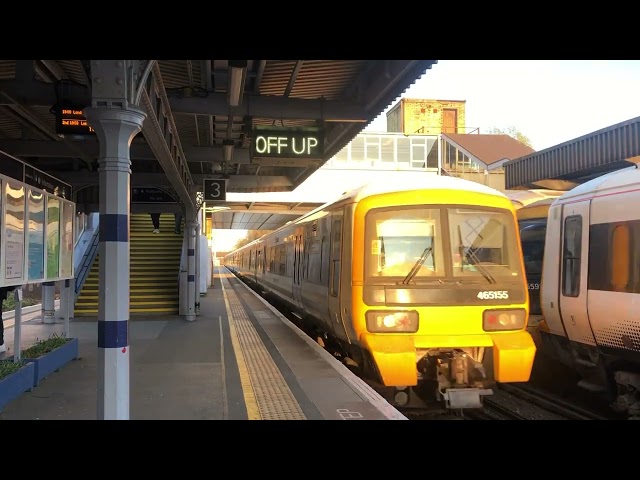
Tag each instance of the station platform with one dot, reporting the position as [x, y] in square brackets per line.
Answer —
[240, 360]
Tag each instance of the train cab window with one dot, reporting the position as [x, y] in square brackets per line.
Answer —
[571, 256]
[404, 242]
[620, 252]
[532, 238]
[483, 244]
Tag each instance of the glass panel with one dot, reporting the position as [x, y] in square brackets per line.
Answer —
[404, 242]
[432, 156]
[357, 152]
[66, 243]
[14, 231]
[532, 237]
[388, 150]
[53, 237]
[403, 152]
[36, 235]
[483, 244]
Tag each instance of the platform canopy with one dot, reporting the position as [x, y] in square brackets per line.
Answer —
[225, 118]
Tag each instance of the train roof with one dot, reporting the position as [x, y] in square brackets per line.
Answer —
[619, 178]
[418, 181]
[524, 198]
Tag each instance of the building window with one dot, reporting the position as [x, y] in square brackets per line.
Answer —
[372, 150]
[418, 152]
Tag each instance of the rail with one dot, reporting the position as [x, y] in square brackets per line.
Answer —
[87, 260]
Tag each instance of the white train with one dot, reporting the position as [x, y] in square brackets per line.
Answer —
[590, 296]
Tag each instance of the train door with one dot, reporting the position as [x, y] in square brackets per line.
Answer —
[297, 267]
[574, 257]
[259, 263]
[335, 259]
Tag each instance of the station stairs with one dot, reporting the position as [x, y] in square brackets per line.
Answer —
[155, 266]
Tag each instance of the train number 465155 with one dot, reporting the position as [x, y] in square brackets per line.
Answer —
[493, 295]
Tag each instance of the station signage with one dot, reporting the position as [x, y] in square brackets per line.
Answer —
[150, 195]
[71, 121]
[288, 143]
[215, 190]
[23, 172]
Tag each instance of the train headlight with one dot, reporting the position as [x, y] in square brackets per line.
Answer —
[383, 321]
[493, 320]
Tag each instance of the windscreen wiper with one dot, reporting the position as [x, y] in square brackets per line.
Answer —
[412, 273]
[483, 271]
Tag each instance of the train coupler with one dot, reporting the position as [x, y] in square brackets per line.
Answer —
[456, 398]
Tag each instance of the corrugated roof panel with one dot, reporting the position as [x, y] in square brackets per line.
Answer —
[175, 73]
[186, 125]
[74, 70]
[9, 128]
[45, 116]
[7, 69]
[598, 152]
[316, 78]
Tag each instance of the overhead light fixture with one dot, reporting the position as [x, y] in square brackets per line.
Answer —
[235, 86]
[227, 150]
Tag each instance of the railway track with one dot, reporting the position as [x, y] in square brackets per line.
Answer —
[509, 402]
[551, 403]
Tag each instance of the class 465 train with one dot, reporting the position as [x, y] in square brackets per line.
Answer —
[420, 286]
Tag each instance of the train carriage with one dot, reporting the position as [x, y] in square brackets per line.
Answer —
[421, 285]
[591, 285]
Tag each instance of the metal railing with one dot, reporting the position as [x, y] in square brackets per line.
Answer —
[86, 262]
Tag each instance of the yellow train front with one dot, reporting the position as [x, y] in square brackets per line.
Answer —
[439, 298]
[418, 285]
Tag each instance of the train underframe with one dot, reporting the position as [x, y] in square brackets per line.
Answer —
[609, 375]
[448, 378]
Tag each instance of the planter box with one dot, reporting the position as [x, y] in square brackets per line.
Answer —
[54, 360]
[14, 385]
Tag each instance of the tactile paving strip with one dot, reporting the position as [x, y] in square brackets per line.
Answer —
[272, 394]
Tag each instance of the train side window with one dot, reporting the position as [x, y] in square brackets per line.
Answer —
[571, 256]
[619, 257]
[336, 239]
[635, 257]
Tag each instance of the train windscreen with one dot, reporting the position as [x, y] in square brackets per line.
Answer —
[414, 244]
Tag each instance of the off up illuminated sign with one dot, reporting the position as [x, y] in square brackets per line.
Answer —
[287, 144]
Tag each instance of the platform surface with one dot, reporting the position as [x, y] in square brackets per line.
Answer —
[240, 359]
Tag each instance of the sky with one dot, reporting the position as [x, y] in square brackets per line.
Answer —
[548, 101]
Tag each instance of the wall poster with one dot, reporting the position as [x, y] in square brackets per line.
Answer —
[66, 239]
[35, 209]
[53, 237]
[14, 230]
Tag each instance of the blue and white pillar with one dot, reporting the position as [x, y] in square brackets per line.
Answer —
[115, 128]
[48, 302]
[191, 232]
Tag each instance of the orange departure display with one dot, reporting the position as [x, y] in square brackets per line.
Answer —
[71, 121]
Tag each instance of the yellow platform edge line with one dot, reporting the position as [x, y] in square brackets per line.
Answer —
[253, 410]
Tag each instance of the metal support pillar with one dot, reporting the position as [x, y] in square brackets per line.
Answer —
[66, 300]
[48, 302]
[17, 326]
[115, 127]
[191, 228]
[197, 269]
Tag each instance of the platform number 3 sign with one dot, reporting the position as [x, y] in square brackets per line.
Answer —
[215, 190]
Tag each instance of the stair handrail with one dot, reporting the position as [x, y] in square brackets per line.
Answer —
[87, 261]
